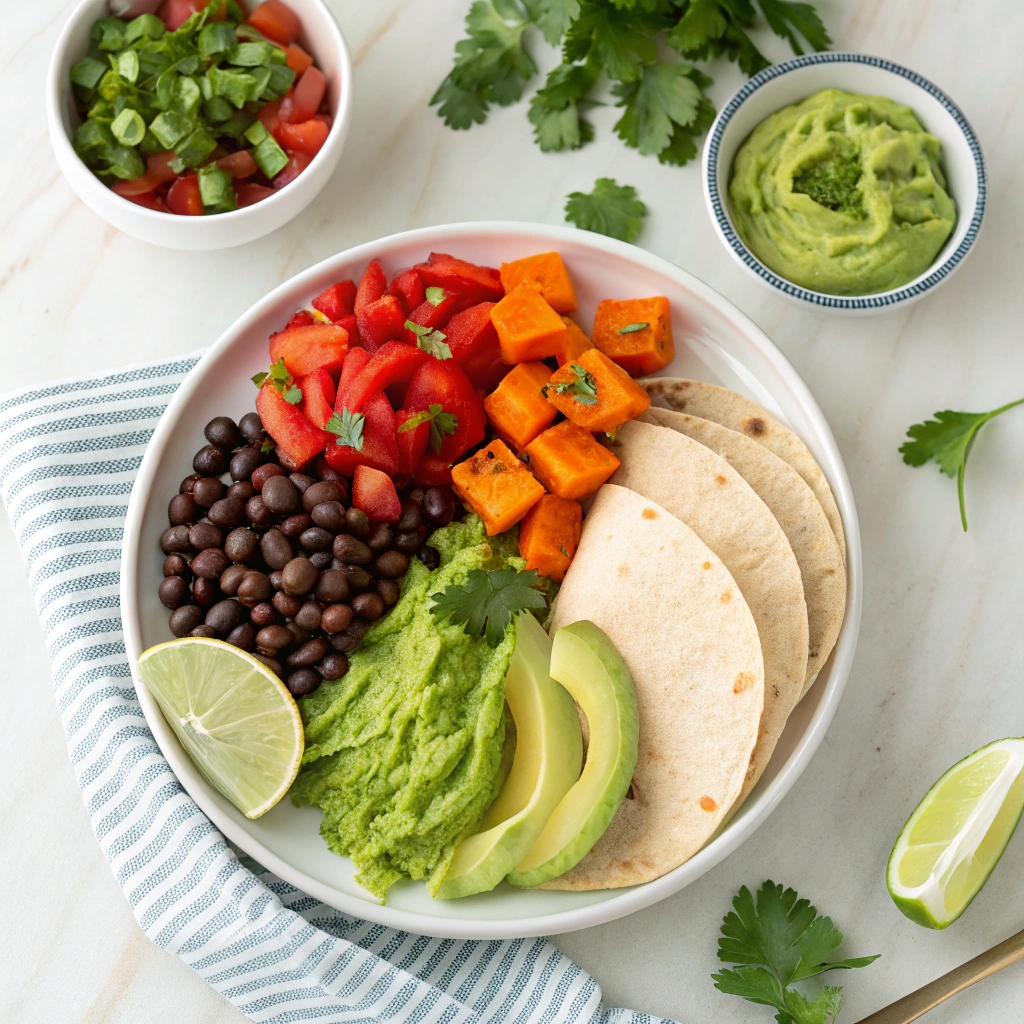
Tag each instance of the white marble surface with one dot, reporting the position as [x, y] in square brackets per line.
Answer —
[938, 670]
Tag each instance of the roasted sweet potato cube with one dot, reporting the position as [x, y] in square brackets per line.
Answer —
[496, 486]
[528, 328]
[547, 271]
[549, 535]
[635, 333]
[595, 393]
[574, 342]
[569, 462]
[517, 408]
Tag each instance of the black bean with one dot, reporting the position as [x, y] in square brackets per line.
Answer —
[429, 556]
[254, 588]
[381, 537]
[286, 604]
[276, 579]
[227, 512]
[349, 639]
[208, 489]
[308, 616]
[173, 592]
[175, 565]
[274, 638]
[302, 681]
[280, 495]
[261, 474]
[308, 654]
[388, 590]
[264, 614]
[222, 432]
[243, 490]
[330, 515]
[257, 513]
[410, 518]
[368, 606]
[298, 576]
[205, 535]
[332, 586]
[392, 565]
[188, 483]
[272, 663]
[350, 550]
[335, 618]
[299, 635]
[207, 632]
[243, 636]
[231, 578]
[326, 471]
[182, 508]
[323, 490]
[251, 427]
[210, 461]
[357, 576]
[225, 615]
[277, 552]
[294, 525]
[321, 559]
[185, 619]
[210, 563]
[438, 506]
[241, 544]
[244, 462]
[357, 522]
[174, 539]
[302, 481]
[408, 543]
[333, 666]
[316, 538]
[205, 592]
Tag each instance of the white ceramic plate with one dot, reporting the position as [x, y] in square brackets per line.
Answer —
[715, 342]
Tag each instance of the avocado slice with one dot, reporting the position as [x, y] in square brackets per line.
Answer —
[546, 763]
[587, 664]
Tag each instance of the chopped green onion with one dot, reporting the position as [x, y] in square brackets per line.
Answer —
[87, 72]
[632, 328]
[91, 138]
[150, 144]
[217, 109]
[256, 132]
[236, 86]
[165, 88]
[237, 126]
[281, 78]
[108, 34]
[261, 78]
[128, 66]
[187, 65]
[435, 295]
[251, 55]
[216, 37]
[145, 26]
[216, 189]
[194, 149]
[234, 12]
[270, 158]
[186, 96]
[128, 127]
[170, 128]
[124, 162]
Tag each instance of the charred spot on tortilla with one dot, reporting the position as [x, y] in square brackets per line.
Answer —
[707, 804]
[706, 565]
[726, 596]
[649, 513]
[755, 426]
[744, 681]
[719, 479]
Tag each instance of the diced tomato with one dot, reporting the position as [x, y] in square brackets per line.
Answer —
[373, 492]
[176, 12]
[409, 289]
[394, 361]
[150, 200]
[372, 285]
[336, 301]
[432, 471]
[238, 165]
[269, 115]
[297, 163]
[184, 198]
[248, 192]
[474, 346]
[326, 118]
[158, 165]
[305, 349]
[380, 321]
[135, 187]
[412, 444]
[441, 382]
[276, 21]
[478, 284]
[305, 98]
[426, 314]
[318, 395]
[297, 58]
[303, 318]
[305, 137]
[293, 434]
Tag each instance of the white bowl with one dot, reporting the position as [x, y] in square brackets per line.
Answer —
[320, 36]
[715, 342]
[794, 80]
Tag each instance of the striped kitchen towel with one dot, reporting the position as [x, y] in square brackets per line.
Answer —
[70, 452]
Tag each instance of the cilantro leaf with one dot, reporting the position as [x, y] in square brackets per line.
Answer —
[278, 377]
[293, 395]
[583, 389]
[620, 41]
[787, 20]
[948, 439]
[487, 602]
[632, 328]
[435, 295]
[610, 209]
[441, 423]
[348, 427]
[777, 941]
[555, 109]
[553, 17]
[430, 340]
[663, 97]
[701, 23]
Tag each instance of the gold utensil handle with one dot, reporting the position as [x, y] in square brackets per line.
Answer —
[909, 1008]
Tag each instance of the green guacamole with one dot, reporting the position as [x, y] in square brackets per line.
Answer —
[404, 754]
[842, 194]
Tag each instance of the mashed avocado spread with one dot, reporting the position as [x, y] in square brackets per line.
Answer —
[842, 194]
[404, 754]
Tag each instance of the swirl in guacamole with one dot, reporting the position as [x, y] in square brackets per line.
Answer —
[842, 194]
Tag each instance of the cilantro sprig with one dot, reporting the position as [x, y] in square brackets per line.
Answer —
[488, 601]
[610, 209]
[777, 942]
[624, 41]
[278, 377]
[441, 424]
[948, 439]
[429, 339]
[348, 427]
[583, 389]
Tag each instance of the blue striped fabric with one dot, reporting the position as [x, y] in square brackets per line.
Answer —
[70, 452]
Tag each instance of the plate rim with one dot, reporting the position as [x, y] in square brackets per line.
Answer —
[629, 900]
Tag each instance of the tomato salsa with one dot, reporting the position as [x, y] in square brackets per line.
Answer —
[200, 108]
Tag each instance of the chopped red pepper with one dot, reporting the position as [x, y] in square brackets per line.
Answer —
[473, 342]
[380, 321]
[305, 349]
[412, 444]
[296, 438]
[276, 21]
[373, 492]
[348, 323]
[394, 361]
[441, 382]
[408, 288]
[150, 200]
[296, 58]
[337, 301]
[477, 284]
[372, 285]
[318, 394]
[432, 471]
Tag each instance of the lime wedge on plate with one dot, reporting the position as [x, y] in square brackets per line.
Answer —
[232, 715]
[957, 834]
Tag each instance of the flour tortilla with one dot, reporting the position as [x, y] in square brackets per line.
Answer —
[797, 511]
[687, 636]
[708, 495]
[720, 405]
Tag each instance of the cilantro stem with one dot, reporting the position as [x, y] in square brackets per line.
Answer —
[970, 444]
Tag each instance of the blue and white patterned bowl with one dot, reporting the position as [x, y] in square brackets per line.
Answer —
[794, 80]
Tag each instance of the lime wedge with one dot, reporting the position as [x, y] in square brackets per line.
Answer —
[957, 834]
[232, 715]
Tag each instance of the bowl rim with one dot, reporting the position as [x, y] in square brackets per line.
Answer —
[59, 137]
[938, 271]
[626, 901]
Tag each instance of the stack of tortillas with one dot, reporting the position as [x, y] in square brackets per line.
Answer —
[715, 562]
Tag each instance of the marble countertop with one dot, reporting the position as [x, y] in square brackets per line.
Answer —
[938, 668]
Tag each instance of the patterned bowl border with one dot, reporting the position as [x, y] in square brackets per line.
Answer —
[882, 299]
